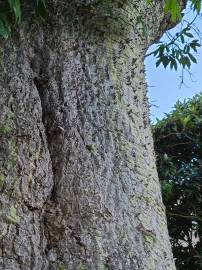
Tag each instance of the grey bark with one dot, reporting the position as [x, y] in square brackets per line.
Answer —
[79, 187]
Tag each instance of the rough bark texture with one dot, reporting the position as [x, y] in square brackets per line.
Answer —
[79, 188]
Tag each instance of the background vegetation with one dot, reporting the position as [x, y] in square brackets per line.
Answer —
[178, 146]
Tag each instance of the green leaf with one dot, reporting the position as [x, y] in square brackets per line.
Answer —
[41, 8]
[184, 60]
[186, 48]
[173, 7]
[193, 59]
[165, 61]
[196, 4]
[5, 29]
[182, 38]
[16, 8]
[188, 34]
[173, 63]
[186, 120]
[158, 62]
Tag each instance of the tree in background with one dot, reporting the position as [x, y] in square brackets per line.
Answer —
[178, 145]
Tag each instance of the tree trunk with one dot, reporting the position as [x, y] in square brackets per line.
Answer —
[79, 187]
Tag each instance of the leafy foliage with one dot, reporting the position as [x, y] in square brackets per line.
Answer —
[178, 145]
[180, 49]
[178, 52]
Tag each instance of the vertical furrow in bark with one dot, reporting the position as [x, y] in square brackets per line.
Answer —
[48, 85]
[25, 165]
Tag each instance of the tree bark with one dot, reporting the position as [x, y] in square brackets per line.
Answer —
[78, 180]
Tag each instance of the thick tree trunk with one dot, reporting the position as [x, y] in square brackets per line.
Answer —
[79, 188]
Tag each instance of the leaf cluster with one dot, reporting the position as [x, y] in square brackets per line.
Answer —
[178, 146]
[179, 51]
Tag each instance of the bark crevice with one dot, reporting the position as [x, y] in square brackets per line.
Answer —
[51, 127]
[53, 217]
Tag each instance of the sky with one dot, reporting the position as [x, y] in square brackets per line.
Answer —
[164, 85]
